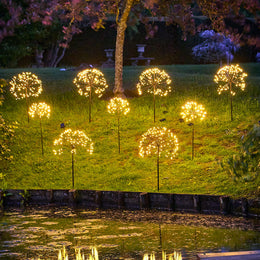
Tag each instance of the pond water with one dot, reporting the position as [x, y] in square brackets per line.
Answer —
[40, 234]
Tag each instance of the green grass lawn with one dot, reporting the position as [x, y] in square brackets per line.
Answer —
[216, 137]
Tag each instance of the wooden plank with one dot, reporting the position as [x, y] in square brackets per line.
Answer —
[245, 255]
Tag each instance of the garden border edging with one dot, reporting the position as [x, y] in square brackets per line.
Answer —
[89, 199]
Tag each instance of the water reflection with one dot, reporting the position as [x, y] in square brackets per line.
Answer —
[93, 255]
[173, 256]
[41, 234]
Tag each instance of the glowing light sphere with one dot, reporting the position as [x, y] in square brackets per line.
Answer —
[228, 77]
[154, 81]
[73, 140]
[191, 111]
[160, 141]
[25, 85]
[39, 110]
[90, 80]
[118, 106]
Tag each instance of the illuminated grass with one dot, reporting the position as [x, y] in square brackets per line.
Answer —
[216, 136]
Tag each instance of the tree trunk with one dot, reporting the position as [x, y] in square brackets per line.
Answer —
[39, 58]
[54, 55]
[121, 27]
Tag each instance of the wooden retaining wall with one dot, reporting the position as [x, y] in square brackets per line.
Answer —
[89, 199]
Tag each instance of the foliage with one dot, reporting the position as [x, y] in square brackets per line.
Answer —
[214, 48]
[245, 166]
[6, 130]
[43, 28]
[3, 84]
[243, 15]
[6, 135]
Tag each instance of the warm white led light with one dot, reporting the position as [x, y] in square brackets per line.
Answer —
[90, 81]
[158, 139]
[25, 85]
[118, 106]
[154, 81]
[229, 77]
[191, 111]
[73, 140]
[39, 110]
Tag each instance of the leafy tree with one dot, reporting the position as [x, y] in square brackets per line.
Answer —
[214, 47]
[44, 28]
[73, 13]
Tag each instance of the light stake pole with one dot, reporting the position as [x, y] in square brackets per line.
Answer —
[72, 167]
[72, 140]
[89, 105]
[158, 165]
[27, 105]
[41, 136]
[90, 82]
[158, 141]
[118, 134]
[193, 133]
[154, 81]
[154, 103]
[228, 78]
[191, 112]
[40, 110]
[118, 106]
[231, 105]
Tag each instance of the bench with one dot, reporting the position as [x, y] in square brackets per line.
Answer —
[136, 60]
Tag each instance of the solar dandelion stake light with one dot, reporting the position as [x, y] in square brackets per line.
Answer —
[159, 141]
[156, 82]
[25, 85]
[118, 106]
[229, 77]
[192, 111]
[40, 110]
[90, 81]
[72, 140]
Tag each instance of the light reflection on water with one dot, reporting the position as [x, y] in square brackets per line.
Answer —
[93, 255]
[41, 234]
